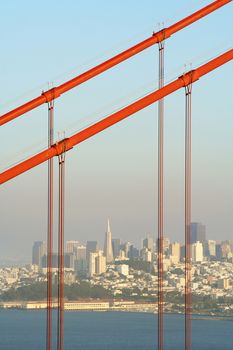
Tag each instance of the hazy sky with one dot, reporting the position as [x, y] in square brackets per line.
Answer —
[114, 174]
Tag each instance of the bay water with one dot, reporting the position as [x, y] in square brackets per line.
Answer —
[25, 330]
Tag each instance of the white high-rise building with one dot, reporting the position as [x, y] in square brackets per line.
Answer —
[92, 264]
[108, 253]
[97, 263]
[100, 264]
[175, 252]
[197, 252]
[146, 255]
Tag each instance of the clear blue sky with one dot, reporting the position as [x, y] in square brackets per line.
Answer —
[114, 174]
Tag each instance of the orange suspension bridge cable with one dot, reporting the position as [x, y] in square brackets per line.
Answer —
[114, 118]
[157, 37]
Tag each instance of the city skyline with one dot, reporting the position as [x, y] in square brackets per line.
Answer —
[138, 243]
[113, 246]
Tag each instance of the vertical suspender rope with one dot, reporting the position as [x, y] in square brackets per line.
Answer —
[60, 320]
[188, 271]
[50, 228]
[160, 200]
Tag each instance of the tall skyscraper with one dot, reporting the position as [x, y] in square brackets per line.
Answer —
[219, 254]
[198, 232]
[97, 264]
[148, 243]
[175, 252]
[125, 247]
[146, 255]
[92, 264]
[38, 251]
[68, 261]
[226, 249]
[100, 264]
[133, 252]
[54, 261]
[81, 252]
[116, 246]
[197, 252]
[81, 262]
[210, 248]
[108, 245]
[71, 246]
[92, 246]
[166, 245]
[81, 267]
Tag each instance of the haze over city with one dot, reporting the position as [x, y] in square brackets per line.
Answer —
[114, 174]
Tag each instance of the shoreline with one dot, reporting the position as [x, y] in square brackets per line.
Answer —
[107, 306]
[84, 305]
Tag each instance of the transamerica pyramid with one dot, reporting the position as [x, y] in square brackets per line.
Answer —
[108, 245]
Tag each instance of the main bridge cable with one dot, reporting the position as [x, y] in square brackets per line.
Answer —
[165, 33]
[114, 118]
